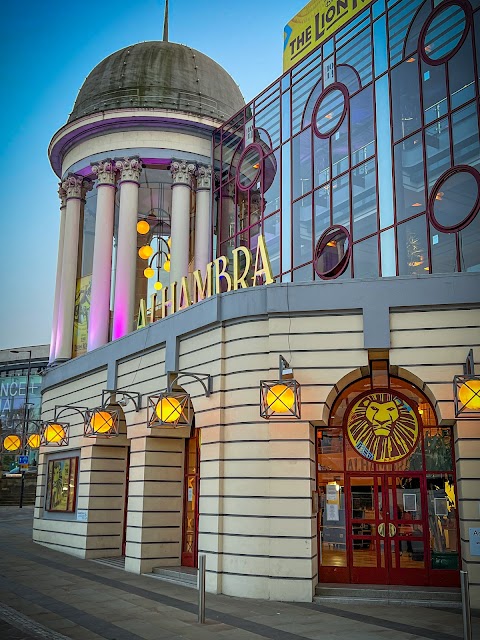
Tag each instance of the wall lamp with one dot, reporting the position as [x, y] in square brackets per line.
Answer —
[173, 408]
[14, 441]
[466, 391]
[280, 398]
[101, 422]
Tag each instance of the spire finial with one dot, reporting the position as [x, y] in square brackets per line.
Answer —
[165, 23]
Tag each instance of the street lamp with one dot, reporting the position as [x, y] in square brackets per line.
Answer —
[25, 414]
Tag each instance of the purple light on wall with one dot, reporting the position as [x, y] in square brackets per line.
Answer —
[120, 319]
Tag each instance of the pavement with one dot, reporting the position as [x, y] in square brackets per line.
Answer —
[49, 595]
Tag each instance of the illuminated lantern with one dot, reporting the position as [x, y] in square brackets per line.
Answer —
[33, 441]
[101, 422]
[149, 272]
[12, 443]
[469, 394]
[280, 398]
[54, 433]
[166, 266]
[145, 252]
[158, 286]
[169, 409]
[143, 227]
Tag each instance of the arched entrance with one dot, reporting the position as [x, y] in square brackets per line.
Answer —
[386, 481]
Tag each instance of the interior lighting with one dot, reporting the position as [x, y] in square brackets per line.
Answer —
[12, 443]
[143, 227]
[417, 204]
[439, 195]
[329, 116]
[148, 272]
[280, 398]
[466, 389]
[411, 60]
[145, 252]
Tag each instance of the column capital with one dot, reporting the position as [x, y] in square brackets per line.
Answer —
[182, 172]
[130, 169]
[76, 187]
[62, 194]
[105, 172]
[204, 178]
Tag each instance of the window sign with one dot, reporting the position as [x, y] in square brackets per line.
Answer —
[249, 137]
[333, 502]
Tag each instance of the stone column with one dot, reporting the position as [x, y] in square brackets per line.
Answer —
[76, 188]
[102, 254]
[124, 302]
[182, 173]
[202, 218]
[61, 236]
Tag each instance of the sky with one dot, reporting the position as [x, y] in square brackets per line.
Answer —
[47, 49]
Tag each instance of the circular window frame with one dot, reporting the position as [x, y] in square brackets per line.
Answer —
[250, 147]
[338, 86]
[467, 9]
[342, 264]
[461, 168]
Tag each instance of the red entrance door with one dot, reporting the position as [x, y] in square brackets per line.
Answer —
[387, 529]
[190, 502]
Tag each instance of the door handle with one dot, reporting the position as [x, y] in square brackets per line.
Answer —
[381, 529]
[392, 529]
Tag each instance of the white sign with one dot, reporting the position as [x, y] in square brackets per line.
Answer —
[82, 515]
[190, 494]
[333, 499]
[328, 72]
[474, 534]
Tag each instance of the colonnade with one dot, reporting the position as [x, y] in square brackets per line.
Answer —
[124, 175]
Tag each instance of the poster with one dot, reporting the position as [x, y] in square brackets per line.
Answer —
[62, 484]
[81, 315]
[333, 503]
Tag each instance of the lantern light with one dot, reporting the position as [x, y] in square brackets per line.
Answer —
[172, 407]
[101, 423]
[12, 443]
[166, 266]
[158, 286]
[466, 389]
[33, 441]
[55, 434]
[143, 227]
[280, 398]
[149, 272]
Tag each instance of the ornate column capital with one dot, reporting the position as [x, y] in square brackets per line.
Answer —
[182, 172]
[76, 187]
[105, 172]
[62, 194]
[204, 178]
[130, 169]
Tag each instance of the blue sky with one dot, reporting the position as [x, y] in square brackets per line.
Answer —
[47, 49]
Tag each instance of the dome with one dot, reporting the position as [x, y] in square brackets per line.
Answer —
[161, 75]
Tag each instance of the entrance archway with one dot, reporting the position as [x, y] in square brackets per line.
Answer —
[386, 481]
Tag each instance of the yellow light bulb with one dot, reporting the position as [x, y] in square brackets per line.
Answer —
[145, 252]
[12, 443]
[280, 398]
[158, 286]
[169, 409]
[166, 266]
[33, 441]
[143, 227]
[148, 272]
[169, 242]
[54, 433]
[469, 394]
[101, 422]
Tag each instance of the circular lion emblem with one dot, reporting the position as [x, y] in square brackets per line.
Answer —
[382, 426]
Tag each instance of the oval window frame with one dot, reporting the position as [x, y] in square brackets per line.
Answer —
[467, 9]
[338, 86]
[461, 168]
[342, 264]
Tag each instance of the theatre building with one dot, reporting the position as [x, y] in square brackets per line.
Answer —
[267, 314]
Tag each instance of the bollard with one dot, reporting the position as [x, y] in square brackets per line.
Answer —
[202, 558]
[467, 616]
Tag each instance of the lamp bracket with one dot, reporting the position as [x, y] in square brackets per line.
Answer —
[60, 409]
[205, 380]
[285, 371]
[469, 365]
[125, 398]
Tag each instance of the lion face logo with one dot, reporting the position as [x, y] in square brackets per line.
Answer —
[382, 427]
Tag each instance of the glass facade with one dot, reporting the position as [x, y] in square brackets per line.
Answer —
[370, 143]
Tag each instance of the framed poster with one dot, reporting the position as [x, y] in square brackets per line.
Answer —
[62, 485]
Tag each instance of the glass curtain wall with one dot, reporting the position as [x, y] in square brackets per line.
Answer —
[363, 160]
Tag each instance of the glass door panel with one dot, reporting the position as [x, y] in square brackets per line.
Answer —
[442, 522]
[332, 535]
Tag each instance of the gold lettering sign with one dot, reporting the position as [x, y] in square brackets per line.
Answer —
[382, 426]
[177, 295]
[314, 24]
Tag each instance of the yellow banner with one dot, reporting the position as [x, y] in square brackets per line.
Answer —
[314, 24]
